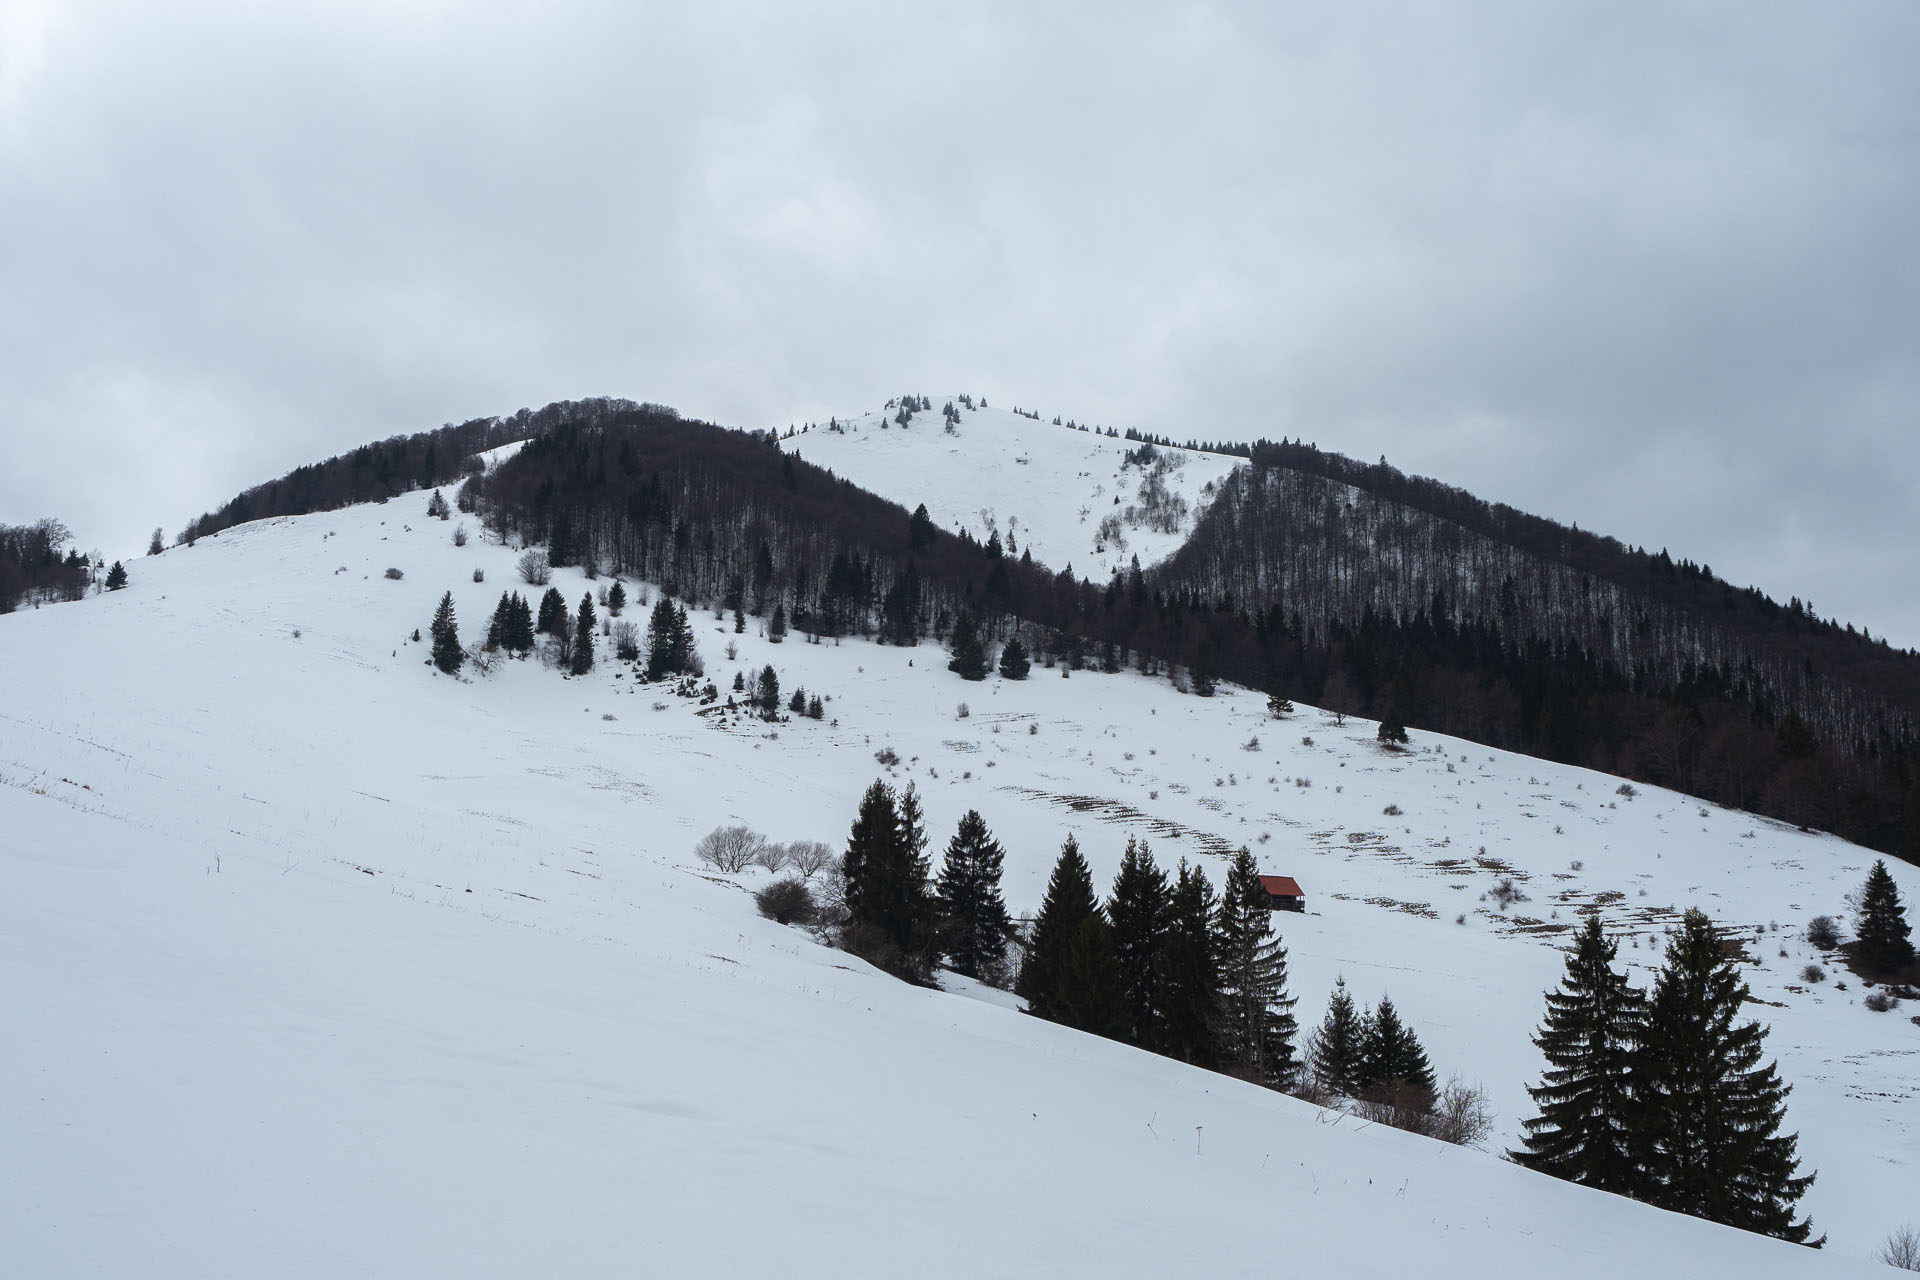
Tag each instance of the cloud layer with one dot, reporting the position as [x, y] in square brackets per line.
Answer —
[1650, 268]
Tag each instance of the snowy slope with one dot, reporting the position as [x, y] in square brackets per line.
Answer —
[315, 962]
[1069, 497]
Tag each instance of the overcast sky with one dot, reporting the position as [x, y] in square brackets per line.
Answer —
[1647, 268]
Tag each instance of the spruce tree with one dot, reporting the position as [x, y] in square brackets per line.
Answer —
[1336, 1064]
[973, 916]
[1068, 903]
[875, 827]
[1278, 706]
[1707, 1137]
[1256, 1013]
[1138, 912]
[969, 655]
[116, 576]
[519, 636]
[499, 624]
[446, 639]
[777, 629]
[667, 640]
[1087, 991]
[767, 693]
[1014, 663]
[1583, 1131]
[815, 711]
[1391, 1058]
[616, 599]
[553, 612]
[1884, 944]
[583, 637]
[1186, 1023]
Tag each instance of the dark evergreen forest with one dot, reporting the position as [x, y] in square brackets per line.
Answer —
[1343, 585]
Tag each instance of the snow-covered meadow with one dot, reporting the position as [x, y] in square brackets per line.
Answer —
[313, 961]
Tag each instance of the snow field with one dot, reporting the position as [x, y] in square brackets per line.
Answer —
[315, 961]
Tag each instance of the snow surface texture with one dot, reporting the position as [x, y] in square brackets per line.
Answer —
[1067, 496]
[316, 962]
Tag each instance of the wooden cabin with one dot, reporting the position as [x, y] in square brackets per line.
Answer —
[1283, 893]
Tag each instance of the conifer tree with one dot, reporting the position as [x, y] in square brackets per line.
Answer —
[583, 637]
[1068, 903]
[777, 629]
[767, 693]
[973, 916]
[1256, 1013]
[1583, 1131]
[1014, 663]
[969, 655]
[116, 576]
[1391, 1058]
[1278, 706]
[669, 642]
[1087, 994]
[1337, 1047]
[616, 599]
[1392, 732]
[553, 612]
[446, 639]
[1707, 1139]
[889, 907]
[1884, 936]
[437, 506]
[519, 636]
[798, 703]
[1138, 912]
[1188, 1015]
[501, 621]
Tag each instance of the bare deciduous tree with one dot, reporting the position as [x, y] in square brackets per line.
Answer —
[729, 849]
[534, 569]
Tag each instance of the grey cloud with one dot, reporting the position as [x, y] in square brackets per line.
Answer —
[1649, 268]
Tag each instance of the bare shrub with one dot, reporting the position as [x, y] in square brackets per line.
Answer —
[730, 849]
[809, 857]
[626, 640]
[459, 535]
[963, 712]
[787, 901]
[1823, 933]
[1396, 1104]
[533, 567]
[479, 575]
[772, 855]
[1461, 1115]
[1506, 893]
[1882, 1001]
[1391, 811]
[395, 574]
[1902, 1249]
[887, 756]
[1812, 973]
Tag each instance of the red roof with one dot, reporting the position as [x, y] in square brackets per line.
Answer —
[1282, 887]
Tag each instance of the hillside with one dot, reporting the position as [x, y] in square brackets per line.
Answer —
[1072, 498]
[317, 961]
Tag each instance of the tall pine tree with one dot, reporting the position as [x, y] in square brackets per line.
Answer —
[1068, 903]
[1708, 1139]
[1884, 944]
[583, 637]
[1138, 912]
[1336, 1064]
[1256, 1013]
[1583, 1132]
[1086, 993]
[969, 655]
[446, 638]
[1188, 1018]
[1391, 1059]
[973, 916]
[889, 907]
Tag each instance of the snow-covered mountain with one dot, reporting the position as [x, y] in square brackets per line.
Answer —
[313, 961]
[1070, 497]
